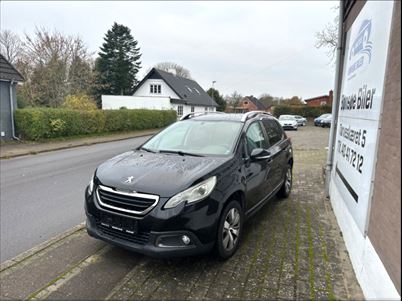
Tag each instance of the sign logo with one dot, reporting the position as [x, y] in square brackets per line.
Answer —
[360, 51]
[129, 180]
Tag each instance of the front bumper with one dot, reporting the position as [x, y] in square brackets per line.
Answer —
[159, 233]
[147, 244]
[289, 127]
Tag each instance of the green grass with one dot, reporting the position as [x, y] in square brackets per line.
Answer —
[325, 256]
[267, 259]
[310, 255]
[284, 246]
[297, 242]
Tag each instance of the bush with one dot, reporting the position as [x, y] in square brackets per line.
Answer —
[304, 111]
[79, 102]
[39, 123]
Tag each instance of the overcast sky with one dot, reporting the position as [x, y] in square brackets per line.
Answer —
[251, 47]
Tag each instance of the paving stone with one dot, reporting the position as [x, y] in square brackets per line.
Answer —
[95, 281]
[35, 272]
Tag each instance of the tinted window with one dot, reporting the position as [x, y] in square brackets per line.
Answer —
[273, 129]
[255, 137]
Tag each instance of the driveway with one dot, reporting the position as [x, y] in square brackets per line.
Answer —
[291, 249]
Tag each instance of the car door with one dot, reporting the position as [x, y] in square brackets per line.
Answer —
[256, 172]
[277, 150]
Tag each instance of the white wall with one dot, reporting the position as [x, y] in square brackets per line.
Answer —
[166, 91]
[115, 102]
[370, 271]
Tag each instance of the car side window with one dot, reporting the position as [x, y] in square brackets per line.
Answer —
[255, 137]
[274, 131]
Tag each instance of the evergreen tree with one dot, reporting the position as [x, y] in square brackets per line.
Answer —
[218, 99]
[118, 62]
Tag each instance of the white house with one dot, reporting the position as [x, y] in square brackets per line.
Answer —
[160, 90]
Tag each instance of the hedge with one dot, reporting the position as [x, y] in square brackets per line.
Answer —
[304, 111]
[39, 123]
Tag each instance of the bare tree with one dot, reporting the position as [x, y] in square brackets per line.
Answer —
[328, 37]
[267, 99]
[234, 99]
[54, 65]
[10, 46]
[174, 68]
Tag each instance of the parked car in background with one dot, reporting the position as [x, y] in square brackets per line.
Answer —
[301, 121]
[317, 120]
[288, 122]
[191, 187]
[326, 122]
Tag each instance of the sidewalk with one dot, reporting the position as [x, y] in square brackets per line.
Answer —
[291, 249]
[16, 149]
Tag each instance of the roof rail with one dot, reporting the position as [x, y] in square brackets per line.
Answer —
[252, 114]
[195, 114]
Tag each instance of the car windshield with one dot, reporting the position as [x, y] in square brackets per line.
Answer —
[325, 115]
[192, 137]
[286, 117]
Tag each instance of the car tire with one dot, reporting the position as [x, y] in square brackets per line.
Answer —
[231, 220]
[286, 188]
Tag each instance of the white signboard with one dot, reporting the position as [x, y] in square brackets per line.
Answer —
[360, 107]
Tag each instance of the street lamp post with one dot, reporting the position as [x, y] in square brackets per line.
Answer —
[213, 90]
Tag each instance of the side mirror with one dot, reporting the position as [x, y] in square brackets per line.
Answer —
[259, 154]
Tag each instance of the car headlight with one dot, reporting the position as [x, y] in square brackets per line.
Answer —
[91, 185]
[193, 194]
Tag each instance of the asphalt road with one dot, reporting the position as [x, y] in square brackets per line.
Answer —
[42, 195]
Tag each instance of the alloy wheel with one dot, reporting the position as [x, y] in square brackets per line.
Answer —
[288, 181]
[231, 229]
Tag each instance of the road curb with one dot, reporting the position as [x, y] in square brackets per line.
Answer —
[5, 157]
[38, 248]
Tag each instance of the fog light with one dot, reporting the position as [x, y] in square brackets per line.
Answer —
[185, 239]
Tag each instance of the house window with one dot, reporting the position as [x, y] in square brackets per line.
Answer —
[192, 109]
[323, 103]
[179, 110]
[206, 109]
[246, 102]
[155, 89]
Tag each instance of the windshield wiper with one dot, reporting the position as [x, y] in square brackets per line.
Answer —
[148, 150]
[180, 153]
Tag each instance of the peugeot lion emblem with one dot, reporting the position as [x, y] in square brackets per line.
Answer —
[129, 180]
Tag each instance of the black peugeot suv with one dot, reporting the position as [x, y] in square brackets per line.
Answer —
[190, 188]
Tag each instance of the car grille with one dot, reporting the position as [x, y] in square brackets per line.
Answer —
[131, 203]
[139, 238]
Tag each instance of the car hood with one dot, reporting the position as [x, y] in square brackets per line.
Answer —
[156, 173]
